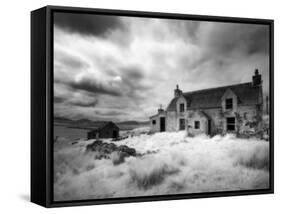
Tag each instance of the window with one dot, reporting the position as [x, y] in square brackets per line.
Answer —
[182, 107]
[153, 122]
[228, 103]
[230, 123]
[182, 124]
[197, 124]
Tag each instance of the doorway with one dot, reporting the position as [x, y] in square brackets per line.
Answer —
[162, 124]
[114, 134]
[182, 124]
[209, 127]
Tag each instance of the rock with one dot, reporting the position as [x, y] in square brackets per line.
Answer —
[95, 146]
[128, 150]
[110, 151]
[120, 138]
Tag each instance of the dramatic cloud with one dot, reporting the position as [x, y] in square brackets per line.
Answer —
[228, 38]
[123, 68]
[84, 103]
[94, 87]
[86, 24]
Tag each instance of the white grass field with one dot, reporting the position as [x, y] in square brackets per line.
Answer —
[167, 163]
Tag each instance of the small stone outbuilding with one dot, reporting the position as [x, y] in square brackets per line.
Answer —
[104, 130]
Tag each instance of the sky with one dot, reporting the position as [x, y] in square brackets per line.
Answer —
[115, 68]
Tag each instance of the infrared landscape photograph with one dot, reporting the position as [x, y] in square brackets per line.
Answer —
[157, 106]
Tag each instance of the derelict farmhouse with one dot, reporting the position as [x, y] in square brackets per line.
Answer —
[104, 130]
[233, 108]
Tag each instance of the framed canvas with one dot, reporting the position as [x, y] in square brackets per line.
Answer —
[133, 106]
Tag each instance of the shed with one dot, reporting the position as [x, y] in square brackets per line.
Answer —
[104, 130]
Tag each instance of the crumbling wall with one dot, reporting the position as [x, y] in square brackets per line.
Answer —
[249, 122]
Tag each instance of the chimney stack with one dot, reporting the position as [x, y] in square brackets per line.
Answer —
[160, 110]
[177, 91]
[257, 79]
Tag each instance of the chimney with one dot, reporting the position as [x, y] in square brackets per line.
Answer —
[177, 91]
[160, 110]
[257, 79]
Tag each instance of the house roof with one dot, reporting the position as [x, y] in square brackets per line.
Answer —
[101, 124]
[211, 98]
[155, 115]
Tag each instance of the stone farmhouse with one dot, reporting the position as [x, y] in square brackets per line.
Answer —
[233, 108]
[104, 130]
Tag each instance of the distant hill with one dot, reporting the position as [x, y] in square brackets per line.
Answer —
[62, 120]
[82, 123]
[128, 125]
[130, 122]
[133, 122]
[89, 124]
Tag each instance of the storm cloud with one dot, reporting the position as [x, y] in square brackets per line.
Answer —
[93, 86]
[85, 103]
[228, 38]
[86, 24]
[99, 79]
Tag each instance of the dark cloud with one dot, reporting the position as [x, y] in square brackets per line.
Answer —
[225, 49]
[83, 100]
[133, 74]
[188, 30]
[84, 103]
[93, 86]
[259, 41]
[134, 78]
[58, 99]
[87, 24]
[192, 28]
[225, 38]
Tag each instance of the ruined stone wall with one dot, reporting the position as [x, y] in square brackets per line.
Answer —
[248, 120]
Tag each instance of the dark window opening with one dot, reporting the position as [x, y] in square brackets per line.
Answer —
[229, 103]
[182, 107]
[209, 127]
[153, 122]
[182, 124]
[197, 124]
[162, 124]
[230, 122]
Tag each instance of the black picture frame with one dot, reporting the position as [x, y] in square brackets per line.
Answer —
[42, 105]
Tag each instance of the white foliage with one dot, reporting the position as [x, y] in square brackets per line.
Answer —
[169, 163]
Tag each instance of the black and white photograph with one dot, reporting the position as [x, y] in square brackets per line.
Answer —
[147, 106]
